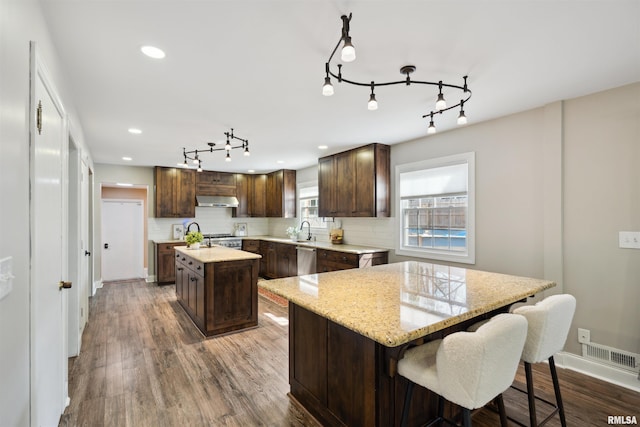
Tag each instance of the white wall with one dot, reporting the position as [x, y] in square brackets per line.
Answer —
[20, 22]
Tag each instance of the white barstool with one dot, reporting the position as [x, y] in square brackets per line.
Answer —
[549, 322]
[467, 368]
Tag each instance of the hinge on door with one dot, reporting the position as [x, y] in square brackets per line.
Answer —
[39, 118]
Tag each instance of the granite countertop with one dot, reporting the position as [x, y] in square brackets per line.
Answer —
[354, 249]
[216, 254]
[394, 304]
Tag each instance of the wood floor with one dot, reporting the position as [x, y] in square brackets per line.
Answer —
[143, 363]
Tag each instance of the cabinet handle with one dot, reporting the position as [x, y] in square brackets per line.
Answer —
[199, 267]
[179, 268]
[190, 262]
[183, 258]
[177, 256]
[193, 279]
[344, 258]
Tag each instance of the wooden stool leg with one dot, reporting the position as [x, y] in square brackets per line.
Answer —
[407, 403]
[532, 397]
[556, 389]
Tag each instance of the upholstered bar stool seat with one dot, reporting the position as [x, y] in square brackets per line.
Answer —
[548, 326]
[467, 368]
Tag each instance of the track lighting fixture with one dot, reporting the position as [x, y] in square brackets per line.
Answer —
[348, 54]
[194, 155]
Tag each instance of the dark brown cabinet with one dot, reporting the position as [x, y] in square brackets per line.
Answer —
[219, 297]
[165, 262]
[251, 193]
[279, 260]
[332, 370]
[281, 194]
[210, 183]
[355, 183]
[175, 192]
[328, 260]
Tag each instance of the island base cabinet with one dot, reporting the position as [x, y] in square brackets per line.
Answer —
[332, 370]
[342, 378]
[232, 301]
[219, 297]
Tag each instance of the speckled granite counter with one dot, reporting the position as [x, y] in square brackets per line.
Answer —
[396, 303]
[216, 254]
[354, 249]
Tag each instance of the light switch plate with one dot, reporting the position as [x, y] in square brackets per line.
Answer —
[6, 276]
[629, 239]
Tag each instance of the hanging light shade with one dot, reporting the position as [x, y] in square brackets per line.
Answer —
[373, 104]
[327, 88]
[348, 51]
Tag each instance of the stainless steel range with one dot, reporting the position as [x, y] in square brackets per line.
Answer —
[223, 239]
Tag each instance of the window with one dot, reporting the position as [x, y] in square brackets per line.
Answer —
[437, 209]
[308, 205]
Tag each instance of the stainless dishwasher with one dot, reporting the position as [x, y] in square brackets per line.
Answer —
[306, 260]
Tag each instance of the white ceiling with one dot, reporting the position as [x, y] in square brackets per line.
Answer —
[258, 66]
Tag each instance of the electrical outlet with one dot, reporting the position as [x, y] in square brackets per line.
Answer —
[584, 336]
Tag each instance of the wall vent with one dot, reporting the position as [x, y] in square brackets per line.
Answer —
[612, 356]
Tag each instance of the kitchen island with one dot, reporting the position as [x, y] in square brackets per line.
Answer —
[218, 288]
[348, 329]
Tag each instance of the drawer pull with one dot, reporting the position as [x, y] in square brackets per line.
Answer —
[177, 256]
[183, 258]
[190, 262]
[199, 267]
[179, 268]
[193, 279]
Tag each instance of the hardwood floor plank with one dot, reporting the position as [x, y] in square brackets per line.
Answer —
[143, 363]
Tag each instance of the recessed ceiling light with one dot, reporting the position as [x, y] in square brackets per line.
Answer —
[323, 147]
[127, 159]
[124, 184]
[251, 171]
[135, 131]
[280, 162]
[153, 52]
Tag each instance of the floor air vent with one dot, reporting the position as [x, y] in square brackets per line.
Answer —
[612, 356]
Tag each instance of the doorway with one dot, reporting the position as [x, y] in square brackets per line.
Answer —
[122, 239]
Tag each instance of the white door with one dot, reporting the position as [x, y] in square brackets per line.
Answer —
[122, 239]
[48, 249]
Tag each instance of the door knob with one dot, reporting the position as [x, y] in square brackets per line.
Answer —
[106, 246]
[64, 285]
[87, 253]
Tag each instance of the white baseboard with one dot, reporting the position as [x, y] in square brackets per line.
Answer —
[598, 370]
[151, 279]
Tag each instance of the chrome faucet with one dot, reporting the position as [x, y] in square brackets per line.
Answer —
[309, 232]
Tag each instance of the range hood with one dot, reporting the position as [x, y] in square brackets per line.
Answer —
[217, 201]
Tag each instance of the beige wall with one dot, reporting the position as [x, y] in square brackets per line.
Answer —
[601, 198]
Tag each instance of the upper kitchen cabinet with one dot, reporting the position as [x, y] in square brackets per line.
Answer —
[175, 192]
[251, 193]
[209, 183]
[281, 194]
[355, 183]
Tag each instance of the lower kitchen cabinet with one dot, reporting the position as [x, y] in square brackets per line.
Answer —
[278, 260]
[219, 297]
[329, 260]
[165, 262]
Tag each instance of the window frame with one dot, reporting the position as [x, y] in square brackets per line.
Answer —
[319, 223]
[465, 257]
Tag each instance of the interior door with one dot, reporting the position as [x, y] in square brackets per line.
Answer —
[48, 249]
[122, 239]
[85, 241]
